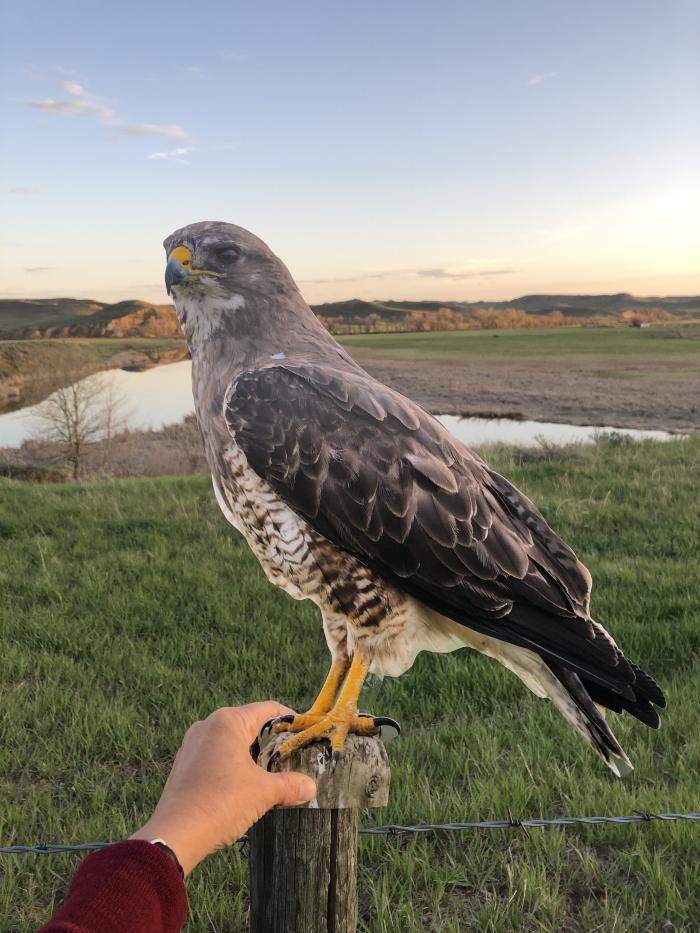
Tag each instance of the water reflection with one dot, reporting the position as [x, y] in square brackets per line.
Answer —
[479, 432]
[153, 398]
[163, 395]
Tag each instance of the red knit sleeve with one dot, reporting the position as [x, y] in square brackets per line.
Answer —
[130, 886]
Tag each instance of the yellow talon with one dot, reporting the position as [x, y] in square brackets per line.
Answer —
[335, 723]
[321, 705]
[360, 725]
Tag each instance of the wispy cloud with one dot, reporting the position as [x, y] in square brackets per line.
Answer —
[173, 155]
[69, 72]
[457, 273]
[37, 269]
[231, 55]
[540, 77]
[436, 272]
[73, 87]
[23, 191]
[82, 103]
[195, 69]
[169, 130]
[73, 107]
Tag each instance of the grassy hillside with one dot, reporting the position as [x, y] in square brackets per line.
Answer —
[658, 341]
[71, 317]
[17, 315]
[130, 609]
[602, 304]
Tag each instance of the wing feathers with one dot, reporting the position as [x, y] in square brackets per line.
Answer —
[437, 474]
[378, 477]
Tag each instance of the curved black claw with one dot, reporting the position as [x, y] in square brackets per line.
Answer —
[274, 758]
[267, 726]
[388, 728]
[335, 758]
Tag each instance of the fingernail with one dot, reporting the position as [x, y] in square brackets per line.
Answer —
[306, 789]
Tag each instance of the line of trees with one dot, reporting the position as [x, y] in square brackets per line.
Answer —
[447, 319]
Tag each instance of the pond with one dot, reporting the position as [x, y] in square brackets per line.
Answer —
[480, 432]
[163, 395]
[152, 398]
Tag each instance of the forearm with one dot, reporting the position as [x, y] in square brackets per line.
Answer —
[214, 792]
[131, 886]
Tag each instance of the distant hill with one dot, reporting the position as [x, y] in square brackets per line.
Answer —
[356, 309]
[71, 317]
[532, 304]
[357, 315]
[601, 304]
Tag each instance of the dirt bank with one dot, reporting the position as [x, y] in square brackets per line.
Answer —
[175, 449]
[656, 394]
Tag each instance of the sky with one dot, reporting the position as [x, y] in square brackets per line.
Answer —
[469, 150]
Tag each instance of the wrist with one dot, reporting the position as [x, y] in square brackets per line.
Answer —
[186, 845]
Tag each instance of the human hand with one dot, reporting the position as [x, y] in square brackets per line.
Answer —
[215, 791]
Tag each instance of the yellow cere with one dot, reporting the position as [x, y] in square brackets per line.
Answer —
[183, 256]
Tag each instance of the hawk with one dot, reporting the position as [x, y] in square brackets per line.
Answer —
[351, 495]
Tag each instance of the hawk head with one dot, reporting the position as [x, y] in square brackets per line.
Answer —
[212, 256]
[215, 270]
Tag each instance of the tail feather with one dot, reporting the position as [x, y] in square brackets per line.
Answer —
[575, 692]
[576, 705]
[640, 707]
[646, 686]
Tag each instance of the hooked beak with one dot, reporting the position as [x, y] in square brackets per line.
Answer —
[175, 274]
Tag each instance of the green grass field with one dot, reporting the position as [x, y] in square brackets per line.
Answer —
[546, 343]
[73, 352]
[130, 608]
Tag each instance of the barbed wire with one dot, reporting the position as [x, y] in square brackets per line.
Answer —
[512, 823]
[394, 829]
[52, 849]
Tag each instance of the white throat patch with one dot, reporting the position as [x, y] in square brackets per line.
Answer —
[202, 315]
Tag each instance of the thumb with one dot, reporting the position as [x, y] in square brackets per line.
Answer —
[292, 788]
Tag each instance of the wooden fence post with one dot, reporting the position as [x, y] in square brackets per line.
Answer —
[303, 860]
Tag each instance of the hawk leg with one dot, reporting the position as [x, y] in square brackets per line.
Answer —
[321, 705]
[335, 724]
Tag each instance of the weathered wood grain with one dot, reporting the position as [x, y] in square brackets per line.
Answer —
[303, 861]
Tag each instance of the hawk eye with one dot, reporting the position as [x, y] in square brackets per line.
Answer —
[228, 253]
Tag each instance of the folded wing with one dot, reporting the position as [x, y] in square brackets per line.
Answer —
[382, 479]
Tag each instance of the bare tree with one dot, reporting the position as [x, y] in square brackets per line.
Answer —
[82, 413]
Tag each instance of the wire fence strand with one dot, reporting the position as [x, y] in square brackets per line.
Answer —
[527, 823]
[392, 829]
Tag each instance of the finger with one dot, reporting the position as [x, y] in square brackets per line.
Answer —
[245, 721]
[187, 739]
[193, 729]
[291, 788]
[258, 713]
